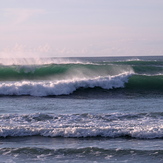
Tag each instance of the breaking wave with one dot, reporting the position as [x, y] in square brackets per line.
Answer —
[62, 77]
[62, 87]
[141, 126]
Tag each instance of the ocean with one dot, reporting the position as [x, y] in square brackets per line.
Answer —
[97, 109]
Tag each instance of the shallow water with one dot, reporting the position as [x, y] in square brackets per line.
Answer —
[29, 129]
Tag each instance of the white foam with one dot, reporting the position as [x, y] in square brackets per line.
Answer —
[134, 59]
[45, 88]
[145, 127]
[158, 74]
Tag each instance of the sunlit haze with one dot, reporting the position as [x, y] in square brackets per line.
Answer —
[79, 28]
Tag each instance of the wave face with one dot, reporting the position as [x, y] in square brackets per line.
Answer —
[47, 77]
[140, 125]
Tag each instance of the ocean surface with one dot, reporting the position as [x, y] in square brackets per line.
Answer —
[103, 109]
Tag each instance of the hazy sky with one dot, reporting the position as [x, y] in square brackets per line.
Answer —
[63, 28]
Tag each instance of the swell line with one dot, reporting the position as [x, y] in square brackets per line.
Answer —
[94, 151]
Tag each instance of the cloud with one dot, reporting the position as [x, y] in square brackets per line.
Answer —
[24, 51]
[17, 16]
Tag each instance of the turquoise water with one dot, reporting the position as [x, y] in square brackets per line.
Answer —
[96, 110]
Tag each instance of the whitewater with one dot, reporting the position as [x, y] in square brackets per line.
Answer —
[51, 77]
[104, 109]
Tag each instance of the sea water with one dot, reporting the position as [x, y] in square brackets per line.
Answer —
[81, 110]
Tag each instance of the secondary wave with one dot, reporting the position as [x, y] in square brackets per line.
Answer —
[91, 152]
[141, 126]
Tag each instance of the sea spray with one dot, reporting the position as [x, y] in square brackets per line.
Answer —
[53, 76]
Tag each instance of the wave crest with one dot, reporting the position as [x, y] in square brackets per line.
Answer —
[62, 87]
